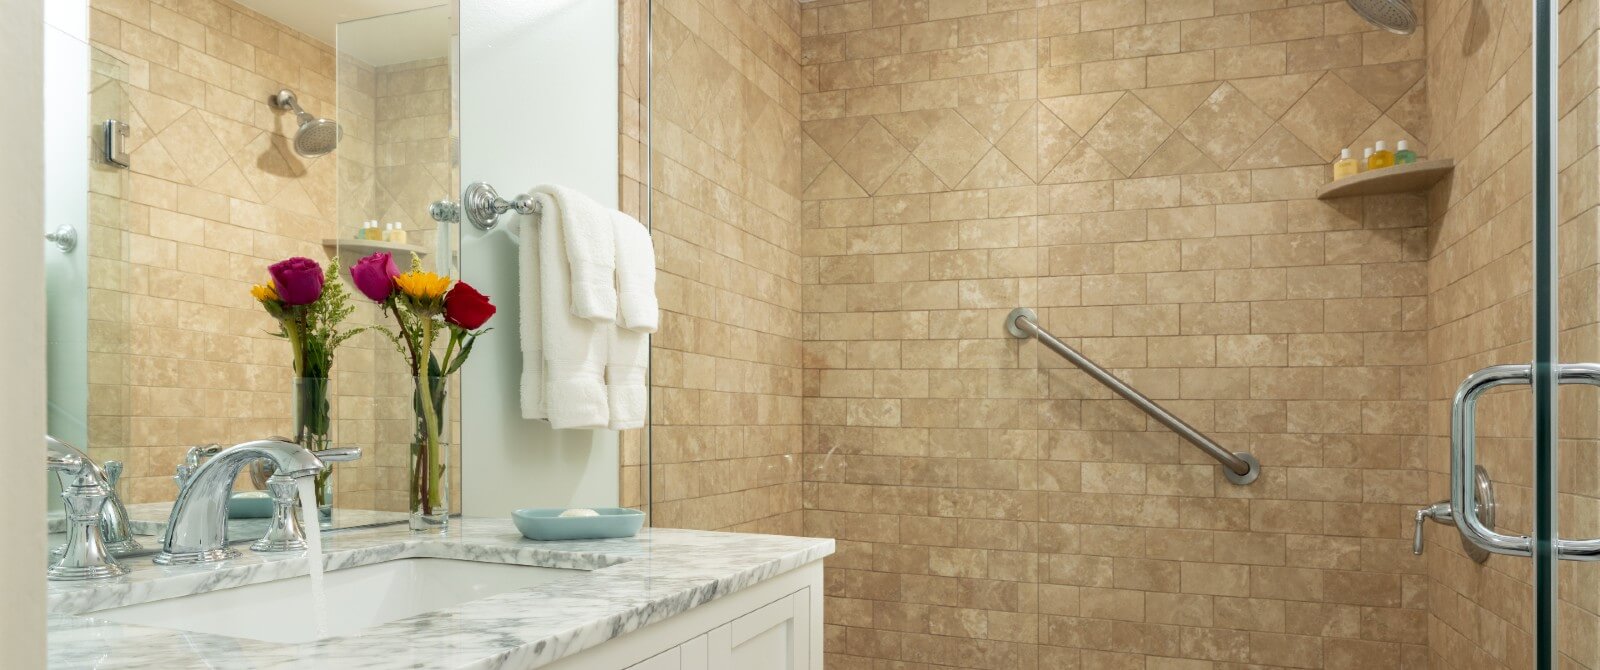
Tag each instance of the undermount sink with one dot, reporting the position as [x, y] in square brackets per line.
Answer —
[357, 598]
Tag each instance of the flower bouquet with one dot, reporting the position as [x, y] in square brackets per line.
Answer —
[309, 304]
[426, 306]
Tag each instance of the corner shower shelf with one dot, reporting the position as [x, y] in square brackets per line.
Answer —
[365, 247]
[1406, 178]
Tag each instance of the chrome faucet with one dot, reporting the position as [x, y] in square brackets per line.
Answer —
[197, 531]
[86, 555]
[114, 529]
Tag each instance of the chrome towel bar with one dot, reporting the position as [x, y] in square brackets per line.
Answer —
[1239, 467]
[482, 206]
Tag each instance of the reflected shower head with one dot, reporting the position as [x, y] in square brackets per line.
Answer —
[1395, 16]
[316, 136]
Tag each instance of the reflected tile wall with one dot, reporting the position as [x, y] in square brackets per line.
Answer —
[181, 355]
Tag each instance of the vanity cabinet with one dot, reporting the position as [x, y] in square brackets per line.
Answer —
[776, 637]
[774, 625]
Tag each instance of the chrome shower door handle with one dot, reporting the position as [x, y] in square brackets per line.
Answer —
[1464, 491]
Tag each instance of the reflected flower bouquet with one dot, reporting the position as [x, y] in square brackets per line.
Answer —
[309, 304]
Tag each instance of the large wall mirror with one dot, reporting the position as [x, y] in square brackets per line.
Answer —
[187, 158]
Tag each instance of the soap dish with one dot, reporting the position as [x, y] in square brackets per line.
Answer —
[250, 505]
[546, 523]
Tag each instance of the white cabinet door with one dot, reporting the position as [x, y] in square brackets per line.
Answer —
[666, 660]
[775, 637]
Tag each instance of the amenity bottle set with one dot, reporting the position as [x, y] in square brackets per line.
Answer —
[1373, 158]
[391, 232]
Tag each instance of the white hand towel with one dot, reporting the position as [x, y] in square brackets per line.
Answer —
[626, 372]
[530, 322]
[636, 276]
[590, 243]
[574, 347]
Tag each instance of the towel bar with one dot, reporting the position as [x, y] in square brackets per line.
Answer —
[483, 205]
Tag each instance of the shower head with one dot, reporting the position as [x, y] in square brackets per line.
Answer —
[1395, 16]
[316, 136]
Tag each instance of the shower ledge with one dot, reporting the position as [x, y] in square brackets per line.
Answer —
[1408, 178]
[366, 247]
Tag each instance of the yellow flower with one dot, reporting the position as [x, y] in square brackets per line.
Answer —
[423, 286]
[264, 292]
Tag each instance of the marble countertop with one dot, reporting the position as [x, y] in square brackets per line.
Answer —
[627, 584]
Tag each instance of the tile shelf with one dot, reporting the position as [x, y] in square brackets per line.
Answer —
[1411, 177]
[402, 252]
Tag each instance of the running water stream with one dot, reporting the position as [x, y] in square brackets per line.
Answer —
[312, 526]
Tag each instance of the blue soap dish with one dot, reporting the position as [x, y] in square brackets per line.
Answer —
[250, 505]
[546, 523]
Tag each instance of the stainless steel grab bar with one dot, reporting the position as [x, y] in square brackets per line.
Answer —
[1238, 466]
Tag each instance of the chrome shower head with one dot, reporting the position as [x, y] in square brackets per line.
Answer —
[1395, 16]
[316, 136]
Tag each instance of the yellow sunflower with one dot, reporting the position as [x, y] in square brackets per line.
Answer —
[424, 290]
[264, 292]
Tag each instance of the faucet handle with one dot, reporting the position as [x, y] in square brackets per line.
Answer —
[113, 473]
[191, 462]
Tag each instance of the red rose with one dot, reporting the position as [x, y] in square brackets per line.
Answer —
[464, 306]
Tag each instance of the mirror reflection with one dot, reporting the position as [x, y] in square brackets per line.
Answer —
[194, 165]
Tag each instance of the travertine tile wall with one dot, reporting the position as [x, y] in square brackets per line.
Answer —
[1142, 172]
[180, 355]
[1479, 278]
[725, 431]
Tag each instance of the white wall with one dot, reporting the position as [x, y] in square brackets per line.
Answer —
[22, 366]
[538, 104]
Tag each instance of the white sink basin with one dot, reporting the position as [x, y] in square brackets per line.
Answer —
[357, 598]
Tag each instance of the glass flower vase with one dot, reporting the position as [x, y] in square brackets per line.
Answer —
[313, 429]
[428, 481]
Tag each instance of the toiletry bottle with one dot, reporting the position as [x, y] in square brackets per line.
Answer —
[399, 235]
[1345, 166]
[388, 232]
[361, 233]
[1404, 155]
[1382, 157]
[1366, 158]
[373, 232]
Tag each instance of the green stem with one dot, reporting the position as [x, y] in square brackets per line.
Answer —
[430, 419]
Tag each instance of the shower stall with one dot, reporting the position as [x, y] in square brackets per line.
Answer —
[1088, 362]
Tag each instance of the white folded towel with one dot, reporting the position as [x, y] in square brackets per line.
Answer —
[626, 371]
[574, 347]
[636, 276]
[530, 321]
[590, 242]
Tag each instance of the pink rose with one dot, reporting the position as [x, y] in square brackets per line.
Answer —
[374, 276]
[298, 280]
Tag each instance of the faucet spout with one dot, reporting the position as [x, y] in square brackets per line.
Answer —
[197, 531]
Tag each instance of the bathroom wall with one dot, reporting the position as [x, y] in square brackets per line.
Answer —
[179, 353]
[1479, 279]
[1143, 174]
[725, 366]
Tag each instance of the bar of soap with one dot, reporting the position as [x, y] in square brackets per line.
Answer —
[580, 512]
